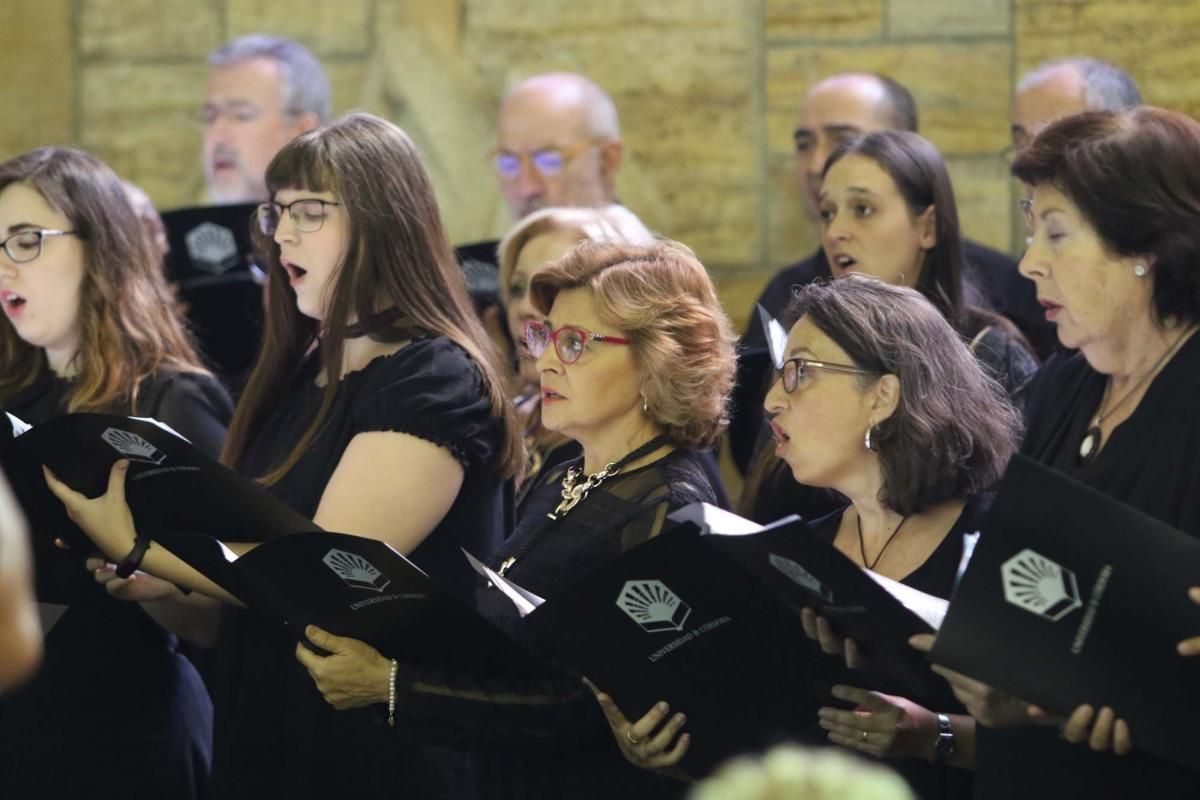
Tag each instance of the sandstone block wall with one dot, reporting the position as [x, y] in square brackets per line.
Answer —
[706, 88]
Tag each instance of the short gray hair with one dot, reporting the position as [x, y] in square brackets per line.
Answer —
[306, 88]
[1106, 86]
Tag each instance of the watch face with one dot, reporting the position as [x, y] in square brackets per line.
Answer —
[945, 741]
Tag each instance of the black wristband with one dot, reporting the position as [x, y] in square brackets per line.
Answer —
[134, 560]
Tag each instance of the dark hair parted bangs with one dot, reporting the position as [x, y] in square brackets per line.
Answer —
[920, 175]
[954, 429]
[399, 277]
[130, 322]
[1135, 177]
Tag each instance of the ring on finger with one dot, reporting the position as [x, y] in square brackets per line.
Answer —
[864, 736]
[632, 739]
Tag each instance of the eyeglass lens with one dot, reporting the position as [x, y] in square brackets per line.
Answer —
[24, 246]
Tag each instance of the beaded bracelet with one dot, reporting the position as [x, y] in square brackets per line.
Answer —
[392, 694]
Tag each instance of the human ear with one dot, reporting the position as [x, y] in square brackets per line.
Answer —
[886, 398]
[927, 228]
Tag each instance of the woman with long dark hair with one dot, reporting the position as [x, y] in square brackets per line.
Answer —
[374, 408]
[91, 325]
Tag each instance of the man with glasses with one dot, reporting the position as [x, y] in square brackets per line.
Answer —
[559, 144]
[263, 91]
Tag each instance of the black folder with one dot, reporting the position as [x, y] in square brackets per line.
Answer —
[355, 587]
[171, 486]
[1072, 597]
[675, 619]
[211, 261]
[804, 569]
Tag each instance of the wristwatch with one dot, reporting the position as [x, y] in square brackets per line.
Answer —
[944, 747]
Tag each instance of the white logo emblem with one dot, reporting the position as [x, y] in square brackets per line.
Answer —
[1040, 586]
[133, 446]
[355, 570]
[800, 576]
[653, 606]
[211, 248]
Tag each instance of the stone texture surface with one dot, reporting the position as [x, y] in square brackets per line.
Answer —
[328, 28]
[707, 90]
[962, 89]
[822, 20]
[1155, 40]
[37, 66]
[155, 29]
[944, 18]
[139, 119]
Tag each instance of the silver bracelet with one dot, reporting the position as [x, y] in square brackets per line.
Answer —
[392, 693]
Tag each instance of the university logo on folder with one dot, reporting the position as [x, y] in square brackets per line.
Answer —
[1072, 597]
[653, 606]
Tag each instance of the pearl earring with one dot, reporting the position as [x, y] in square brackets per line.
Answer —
[1139, 270]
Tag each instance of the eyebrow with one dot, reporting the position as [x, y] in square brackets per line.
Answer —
[855, 190]
[835, 129]
[25, 226]
[797, 351]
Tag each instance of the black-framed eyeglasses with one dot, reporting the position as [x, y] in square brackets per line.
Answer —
[795, 369]
[24, 246]
[308, 215]
[569, 340]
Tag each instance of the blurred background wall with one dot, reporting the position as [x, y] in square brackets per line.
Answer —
[706, 89]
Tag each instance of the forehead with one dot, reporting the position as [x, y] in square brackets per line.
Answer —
[22, 204]
[540, 116]
[256, 80]
[857, 102]
[1059, 94]
[544, 247]
[284, 196]
[858, 172]
[1046, 197]
[577, 307]
[806, 340]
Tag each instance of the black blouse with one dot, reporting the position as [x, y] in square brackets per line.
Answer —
[1149, 462]
[544, 735]
[936, 576]
[112, 681]
[275, 734]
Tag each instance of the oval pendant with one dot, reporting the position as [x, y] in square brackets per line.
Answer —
[1090, 444]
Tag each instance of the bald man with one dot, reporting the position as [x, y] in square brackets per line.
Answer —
[1060, 88]
[560, 144]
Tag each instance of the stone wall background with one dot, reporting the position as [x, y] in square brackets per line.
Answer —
[707, 90]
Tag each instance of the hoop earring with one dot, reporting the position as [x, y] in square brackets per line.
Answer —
[867, 438]
[1139, 270]
[645, 405]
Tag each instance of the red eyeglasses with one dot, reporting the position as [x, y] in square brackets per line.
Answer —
[569, 340]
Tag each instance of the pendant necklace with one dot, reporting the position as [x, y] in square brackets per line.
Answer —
[573, 493]
[1093, 435]
[862, 547]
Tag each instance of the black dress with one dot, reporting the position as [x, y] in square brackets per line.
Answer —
[538, 736]
[114, 688]
[275, 735]
[936, 577]
[1149, 462]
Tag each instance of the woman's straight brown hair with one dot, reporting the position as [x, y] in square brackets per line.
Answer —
[130, 323]
[399, 278]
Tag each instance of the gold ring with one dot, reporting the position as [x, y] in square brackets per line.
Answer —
[632, 739]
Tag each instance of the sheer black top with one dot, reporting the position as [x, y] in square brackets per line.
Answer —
[1149, 462]
[275, 734]
[544, 735]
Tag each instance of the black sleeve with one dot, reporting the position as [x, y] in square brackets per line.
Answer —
[433, 390]
[194, 404]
